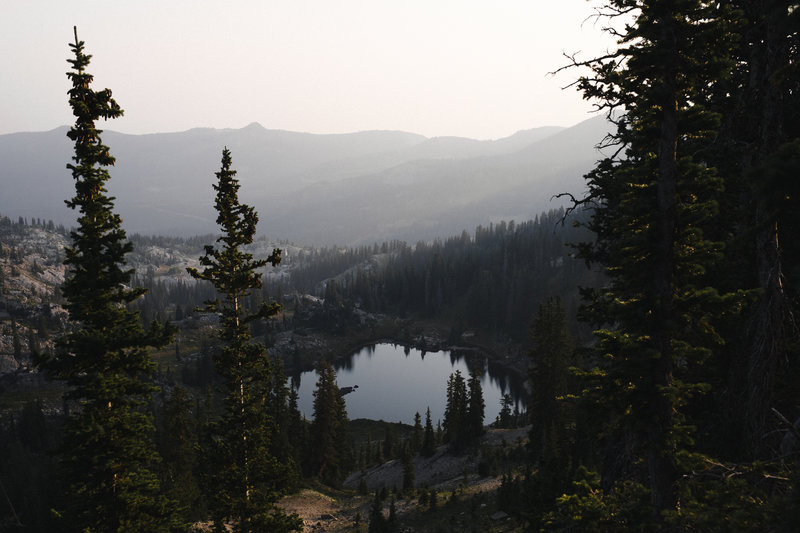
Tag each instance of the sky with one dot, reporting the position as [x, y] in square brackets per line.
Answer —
[469, 68]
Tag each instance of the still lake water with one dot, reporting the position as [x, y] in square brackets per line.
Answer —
[394, 382]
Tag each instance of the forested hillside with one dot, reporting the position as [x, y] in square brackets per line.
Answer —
[492, 280]
[332, 293]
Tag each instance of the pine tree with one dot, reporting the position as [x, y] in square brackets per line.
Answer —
[433, 500]
[330, 449]
[429, 440]
[464, 410]
[377, 522]
[698, 213]
[177, 445]
[654, 208]
[285, 417]
[475, 408]
[550, 444]
[389, 443]
[455, 412]
[409, 471]
[242, 472]
[417, 435]
[391, 521]
[504, 417]
[297, 427]
[108, 455]
[552, 357]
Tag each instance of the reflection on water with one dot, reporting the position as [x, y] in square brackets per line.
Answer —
[394, 382]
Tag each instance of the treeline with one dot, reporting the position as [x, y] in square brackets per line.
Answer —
[493, 280]
[185, 244]
[36, 222]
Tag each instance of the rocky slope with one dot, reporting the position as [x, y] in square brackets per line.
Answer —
[32, 271]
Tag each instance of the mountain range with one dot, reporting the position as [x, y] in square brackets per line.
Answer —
[311, 189]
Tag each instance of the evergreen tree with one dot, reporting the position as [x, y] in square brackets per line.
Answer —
[391, 521]
[389, 443]
[409, 471]
[455, 413]
[504, 417]
[551, 355]
[108, 455]
[368, 449]
[417, 434]
[464, 411]
[28, 472]
[329, 447]
[377, 522]
[475, 408]
[655, 206]
[242, 471]
[284, 419]
[429, 440]
[177, 446]
[552, 451]
[297, 427]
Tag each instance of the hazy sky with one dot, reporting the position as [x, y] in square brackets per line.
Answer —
[437, 67]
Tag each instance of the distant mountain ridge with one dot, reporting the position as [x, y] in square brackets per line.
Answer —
[310, 188]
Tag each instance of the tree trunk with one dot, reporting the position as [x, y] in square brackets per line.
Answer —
[661, 466]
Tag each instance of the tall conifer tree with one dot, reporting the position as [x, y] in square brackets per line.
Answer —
[464, 410]
[245, 477]
[108, 453]
[455, 411]
[417, 434]
[329, 447]
[429, 440]
[551, 355]
[476, 407]
[691, 217]
[652, 209]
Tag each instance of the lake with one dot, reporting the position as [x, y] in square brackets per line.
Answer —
[394, 382]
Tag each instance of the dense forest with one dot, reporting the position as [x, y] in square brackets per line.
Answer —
[659, 311]
[493, 280]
